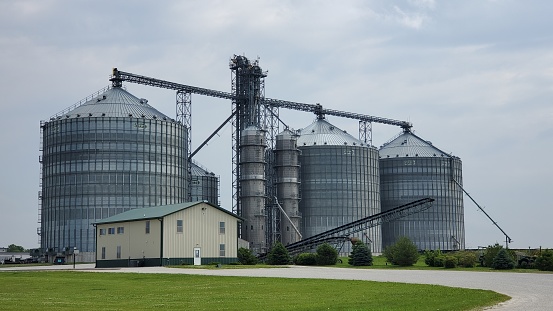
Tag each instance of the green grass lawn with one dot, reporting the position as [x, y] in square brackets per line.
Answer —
[67, 290]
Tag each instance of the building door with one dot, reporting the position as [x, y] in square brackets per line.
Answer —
[197, 256]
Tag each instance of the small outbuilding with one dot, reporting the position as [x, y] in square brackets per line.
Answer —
[186, 233]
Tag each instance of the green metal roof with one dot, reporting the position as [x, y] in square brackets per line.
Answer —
[156, 212]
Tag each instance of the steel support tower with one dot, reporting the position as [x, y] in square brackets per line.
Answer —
[250, 108]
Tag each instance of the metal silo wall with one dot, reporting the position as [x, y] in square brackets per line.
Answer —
[96, 167]
[404, 180]
[339, 185]
[288, 171]
[252, 188]
[205, 188]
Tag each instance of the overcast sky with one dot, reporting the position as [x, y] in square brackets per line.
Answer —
[474, 77]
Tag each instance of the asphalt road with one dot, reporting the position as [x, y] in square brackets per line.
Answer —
[529, 291]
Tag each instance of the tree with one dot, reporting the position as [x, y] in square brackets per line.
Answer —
[503, 260]
[402, 253]
[326, 255]
[544, 262]
[12, 248]
[246, 257]
[360, 255]
[278, 255]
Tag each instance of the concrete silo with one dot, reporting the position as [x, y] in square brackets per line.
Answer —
[109, 154]
[339, 181]
[204, 185]
[252, 188]
[410, 169]
[287, 184]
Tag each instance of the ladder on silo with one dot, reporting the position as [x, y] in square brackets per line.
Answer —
[339, 235]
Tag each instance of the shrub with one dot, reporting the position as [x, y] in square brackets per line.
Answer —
[466, 259]
[544, 262]
[439, 261]
[402, 253]
[278, 255]
[450, 262]
[326, 255]
[503, 260]
[360, 255]
[430, 258]
[246, 257]
[490, 253]
[305, 259]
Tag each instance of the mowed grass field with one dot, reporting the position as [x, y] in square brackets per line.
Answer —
[68, 290]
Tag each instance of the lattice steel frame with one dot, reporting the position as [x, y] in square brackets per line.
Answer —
[184, 116]
[366, 132]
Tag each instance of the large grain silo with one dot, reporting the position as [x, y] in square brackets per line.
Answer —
[339, 181]
[287, 170]
[252, 188]
[110, 154]
[204, 185]
[411, 169]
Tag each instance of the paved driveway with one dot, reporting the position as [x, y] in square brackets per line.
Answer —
[529, 291]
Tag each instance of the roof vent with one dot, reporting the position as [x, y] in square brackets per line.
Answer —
[387, 156]
[325, 143]
[103, 114]
[406, 155]
[331, 128]
[130, 115]
[397, 155]
[354, 144]
[98, 100]
[312, 131]
[143, 116]
[314, 143]
[345, 143]
[67, 116]
[78, 115]
[104, 97]
[154, 116]
[90, 114]
[416, 154]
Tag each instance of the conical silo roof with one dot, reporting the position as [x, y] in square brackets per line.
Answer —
[198, 170]
[408, 145]
[321, 132]
[116, 102]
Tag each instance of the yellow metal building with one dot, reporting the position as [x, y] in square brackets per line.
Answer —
[187, 233]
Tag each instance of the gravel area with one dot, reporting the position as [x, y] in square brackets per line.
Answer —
[529, 291]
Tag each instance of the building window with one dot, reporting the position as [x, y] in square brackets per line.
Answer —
[147, 227]
[221, 250]
[222, 227]
[120, 230]
[119, 252]
[179, 225]
[103, 231]
[103, 253]
[111, 230]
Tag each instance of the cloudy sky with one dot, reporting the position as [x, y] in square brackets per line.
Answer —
[474, 77]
